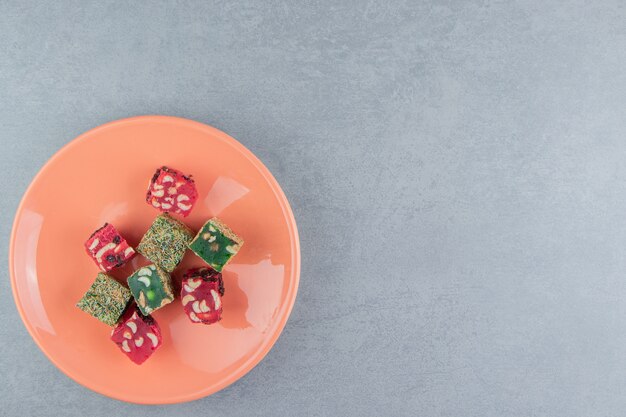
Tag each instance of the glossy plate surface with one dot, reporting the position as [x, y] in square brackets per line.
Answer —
[102, 176]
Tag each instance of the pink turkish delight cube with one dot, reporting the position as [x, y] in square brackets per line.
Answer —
[170, 191]
[108, 248]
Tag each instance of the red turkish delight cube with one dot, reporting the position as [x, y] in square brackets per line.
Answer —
[108, 248]
[171, 191]
[201, 294]
[138, 336]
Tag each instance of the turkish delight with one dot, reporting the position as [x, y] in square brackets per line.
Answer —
[151, 287]
[216, 244]
[108, 248]
[201, 292]
[165, 242]
[105, 299]
[137, 335]
[172, 192]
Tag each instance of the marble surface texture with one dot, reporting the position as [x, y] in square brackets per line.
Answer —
[456, 169]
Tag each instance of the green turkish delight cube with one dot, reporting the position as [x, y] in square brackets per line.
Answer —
[151, 287]
[165, 242]
[216, 244]
[106, 299]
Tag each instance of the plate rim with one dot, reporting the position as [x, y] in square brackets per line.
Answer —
[259, 355]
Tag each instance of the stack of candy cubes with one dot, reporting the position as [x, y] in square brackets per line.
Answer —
[128, 308]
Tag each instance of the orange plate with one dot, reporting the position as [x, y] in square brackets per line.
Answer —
[102, 176]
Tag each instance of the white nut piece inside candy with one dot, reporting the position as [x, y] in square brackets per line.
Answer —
[203, 307]
[139, 341]
[172, 190]
[187, 299]
[103, 249]
[128, 251]
[232, 249]
[94, 244]
[153, 339]
[125, 347]
[127, 335]
[196, 307]
[216, 299]
[144, 280]
[182, 197]
[156, 204]
[166, 206]
[193, 316]
[194, 283]
[145, 271]
[168, 178]
[133, 326]
[158, 193]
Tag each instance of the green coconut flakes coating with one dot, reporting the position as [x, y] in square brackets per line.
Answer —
[106, 299]
[216, 244]
[165, 242]
[151, 287]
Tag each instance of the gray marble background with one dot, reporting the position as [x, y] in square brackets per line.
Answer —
[457, 170]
